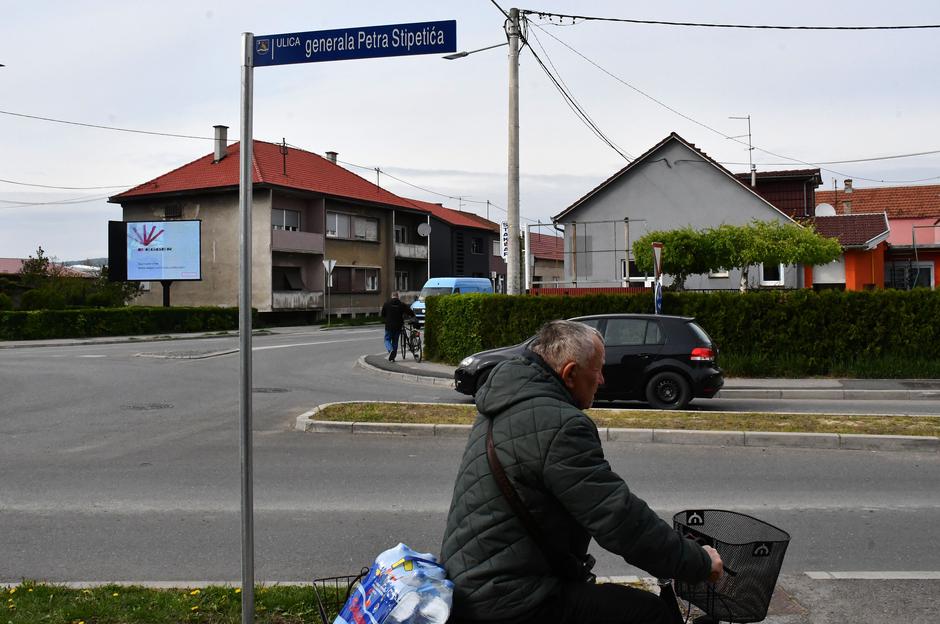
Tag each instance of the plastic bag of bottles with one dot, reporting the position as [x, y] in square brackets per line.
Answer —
[402, 587]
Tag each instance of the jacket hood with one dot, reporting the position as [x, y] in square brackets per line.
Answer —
[519, 379]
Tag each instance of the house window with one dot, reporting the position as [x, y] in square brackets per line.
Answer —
[906, 275]
[286, 278]
[476, 246]
[354, 280]
[285, 219]
[339, 225]
[633, 274]
[401, 234]
[497, 248]
[771, 275]
[401, 280]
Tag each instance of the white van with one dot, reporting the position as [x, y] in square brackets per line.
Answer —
[449, 286]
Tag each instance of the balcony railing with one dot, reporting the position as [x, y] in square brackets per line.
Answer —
[297, 242]
[411, 252]
[297, 300]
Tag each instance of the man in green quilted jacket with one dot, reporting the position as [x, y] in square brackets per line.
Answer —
[551, 453]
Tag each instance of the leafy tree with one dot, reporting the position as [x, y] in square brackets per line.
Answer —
[685, 252]
[36, 271]
[688, 252]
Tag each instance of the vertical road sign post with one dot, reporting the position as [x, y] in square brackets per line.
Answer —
[328, 265]
[284, 49]
[658, 278]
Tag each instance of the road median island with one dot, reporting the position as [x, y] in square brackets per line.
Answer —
[754, 429]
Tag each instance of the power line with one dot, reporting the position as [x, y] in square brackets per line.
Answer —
[64, 202]
[68, 188]
[842, 162]
[589, 18]
[573, 104]
[88, 125]
[421, 188]
[718, 132]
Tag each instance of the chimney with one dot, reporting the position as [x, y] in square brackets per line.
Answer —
[848, 185]
[847, 203]
[221, 143]
[331, 156]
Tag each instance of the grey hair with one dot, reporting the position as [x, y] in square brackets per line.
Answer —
[560, 342]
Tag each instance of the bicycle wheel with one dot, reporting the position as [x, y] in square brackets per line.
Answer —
[416, 346]
[403, 344]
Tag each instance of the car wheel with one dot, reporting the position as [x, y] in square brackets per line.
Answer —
[668, 390]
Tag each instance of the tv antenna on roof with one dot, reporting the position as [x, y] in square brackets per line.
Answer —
[750, 149]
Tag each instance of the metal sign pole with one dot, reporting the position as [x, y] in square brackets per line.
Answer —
[244, 333]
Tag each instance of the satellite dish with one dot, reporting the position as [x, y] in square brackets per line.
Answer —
[825, 210]
[424, 229]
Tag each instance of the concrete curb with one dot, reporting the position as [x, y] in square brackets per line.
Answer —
[307, 422]
[409, 377]
[828, 395]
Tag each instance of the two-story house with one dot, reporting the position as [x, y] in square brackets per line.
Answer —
[305, 209]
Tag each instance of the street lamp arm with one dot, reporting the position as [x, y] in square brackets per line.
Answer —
[459, 55]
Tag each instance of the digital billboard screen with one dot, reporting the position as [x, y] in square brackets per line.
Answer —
[163, 250]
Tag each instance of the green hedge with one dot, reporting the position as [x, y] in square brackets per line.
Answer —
[812, 333]
[128, 321]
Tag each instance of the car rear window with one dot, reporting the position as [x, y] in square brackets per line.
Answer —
[700, 333]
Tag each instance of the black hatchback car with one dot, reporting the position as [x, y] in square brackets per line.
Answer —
[664, 360]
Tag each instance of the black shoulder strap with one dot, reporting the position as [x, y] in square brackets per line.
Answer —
[509, 492]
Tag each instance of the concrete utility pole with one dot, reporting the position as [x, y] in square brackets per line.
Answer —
[512, 262]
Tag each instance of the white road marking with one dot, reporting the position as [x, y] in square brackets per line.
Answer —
[307, 344]
[91, 356]
[883, 575]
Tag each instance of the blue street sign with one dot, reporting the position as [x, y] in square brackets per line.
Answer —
[658, 297]
[356, 43]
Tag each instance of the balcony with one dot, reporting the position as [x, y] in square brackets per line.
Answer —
[297, 300]
[411, 252]
[296, 242]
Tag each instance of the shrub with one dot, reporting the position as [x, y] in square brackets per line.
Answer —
[6, 302]
[792, 332]
[128, 321]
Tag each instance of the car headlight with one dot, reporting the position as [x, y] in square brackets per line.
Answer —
[467, 361]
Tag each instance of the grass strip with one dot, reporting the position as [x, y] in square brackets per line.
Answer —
[653, 419]
[31, 602]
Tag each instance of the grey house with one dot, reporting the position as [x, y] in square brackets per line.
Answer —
[672, 185]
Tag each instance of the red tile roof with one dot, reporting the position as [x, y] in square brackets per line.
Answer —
[306, 171]
[900, 202]
[454, 217]
[547, 247]
[853, 230]
[12, 266]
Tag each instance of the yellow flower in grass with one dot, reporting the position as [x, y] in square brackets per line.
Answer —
[115, 594]
[195, 592]
[12, 590]
[30, 589]
[238, 590]
[194, 608]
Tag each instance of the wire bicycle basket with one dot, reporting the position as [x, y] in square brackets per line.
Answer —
[752, 552]
[332, 592]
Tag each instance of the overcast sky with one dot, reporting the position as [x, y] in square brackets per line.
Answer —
[173, 67]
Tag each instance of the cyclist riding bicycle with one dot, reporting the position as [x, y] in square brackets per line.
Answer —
[530, 429]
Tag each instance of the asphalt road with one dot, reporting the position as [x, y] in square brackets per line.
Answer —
[122, 466]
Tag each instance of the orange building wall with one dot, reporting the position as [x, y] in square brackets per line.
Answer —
[865, 267]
